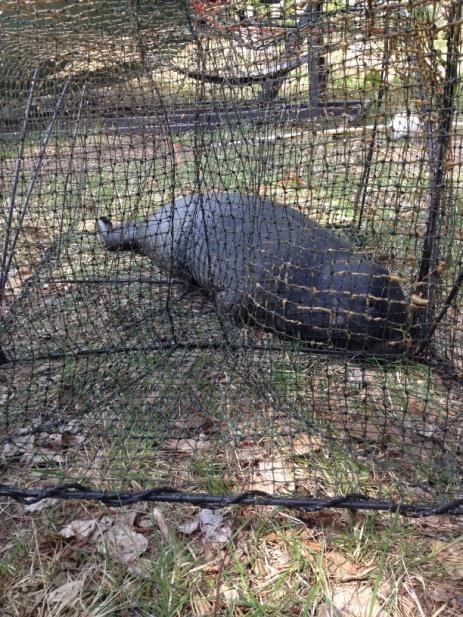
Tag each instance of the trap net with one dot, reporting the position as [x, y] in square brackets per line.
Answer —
[123, 380]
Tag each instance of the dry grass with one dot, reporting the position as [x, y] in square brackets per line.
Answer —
[214, 422]
[275, 563]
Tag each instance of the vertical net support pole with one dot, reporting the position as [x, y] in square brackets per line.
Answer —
[316, 62]
[427, 273]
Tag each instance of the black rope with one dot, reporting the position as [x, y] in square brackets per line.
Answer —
[351, 501]
[218, 345]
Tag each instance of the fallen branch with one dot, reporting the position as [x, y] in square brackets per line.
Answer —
[243, 80]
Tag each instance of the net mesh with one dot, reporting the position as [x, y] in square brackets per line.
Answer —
[285, 314]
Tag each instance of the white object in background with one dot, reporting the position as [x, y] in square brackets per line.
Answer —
[404, 125]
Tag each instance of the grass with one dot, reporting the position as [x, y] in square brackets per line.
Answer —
[218, 421]
[199, 427]
[275, 563]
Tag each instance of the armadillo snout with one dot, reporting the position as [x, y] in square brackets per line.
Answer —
[115, 238]
[103, 227]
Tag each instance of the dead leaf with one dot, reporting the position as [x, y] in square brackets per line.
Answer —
[86, 528]
[344, 570]
[231, 596]
[249, 453]
[8, 452]
[189, 527]
[187, 446]
[143, 523]
[368, 430]
[49, 440]
[441, 594]
[211, 524]
[213, 528]
[80, 528]
[273, 474]
[66, 594]
[19, 445]
[450, 557]
[127, 517]
[192, 421]
[200, 606]
[41, 505]
[41, 456]
[263, 569]
[314, 546]
[350, 601]
[4, 394]
[141, 568]
[74, 427]
[74, 440]
[105, 522]
[306, 444]
[122, 543]
[279, 558]
[415, 405]
[158, 516]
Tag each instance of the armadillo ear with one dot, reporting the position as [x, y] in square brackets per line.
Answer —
[104, 227]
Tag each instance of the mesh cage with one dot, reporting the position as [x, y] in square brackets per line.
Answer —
[268, 306]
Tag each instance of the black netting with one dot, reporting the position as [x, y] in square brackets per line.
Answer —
[231, 257]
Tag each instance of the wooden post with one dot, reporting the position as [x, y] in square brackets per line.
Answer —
[316, 62]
